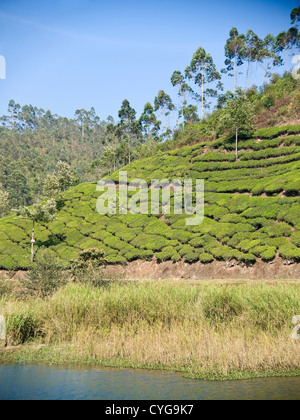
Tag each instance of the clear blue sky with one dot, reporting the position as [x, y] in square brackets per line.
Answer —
[68, 54]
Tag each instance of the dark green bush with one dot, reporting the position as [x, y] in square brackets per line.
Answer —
[45, 276]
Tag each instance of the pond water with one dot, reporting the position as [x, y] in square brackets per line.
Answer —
[20, 382]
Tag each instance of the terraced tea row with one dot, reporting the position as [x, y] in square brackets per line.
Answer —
[251, 211]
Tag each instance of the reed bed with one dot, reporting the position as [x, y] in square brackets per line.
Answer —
[212, 331]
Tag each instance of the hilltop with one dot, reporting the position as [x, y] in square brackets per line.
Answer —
[251, 209]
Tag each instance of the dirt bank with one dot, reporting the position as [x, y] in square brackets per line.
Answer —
[216, 270]
[219, 270]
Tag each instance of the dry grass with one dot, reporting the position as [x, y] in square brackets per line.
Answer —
[206, 330]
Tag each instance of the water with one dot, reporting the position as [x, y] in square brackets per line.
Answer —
[19, 382]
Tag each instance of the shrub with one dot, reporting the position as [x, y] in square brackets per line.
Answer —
[152, 242]
[156, 227]
[167, 254]
[139, 254]
[289, 252]
[269, 254]
[269, 102]
[206, 258]
[179, 235]
[45, 276]
[197, 242]
[223, 253]
[88, 259]
[90, 243]
[295, 239]
[116, 260]
[184, 250]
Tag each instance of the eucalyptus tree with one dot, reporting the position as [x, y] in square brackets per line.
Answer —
[87, 121]
[128, 127]
[293, 42]
[234, 53]
[178, 79]
[81, 117]
[163, 103]
[268, 55]
[148, 122]
[127, 114]
[28, 117]
[38, 213]
[202, 71]
[250, 53]
[295, 16]
[283, 45]
[14, 110]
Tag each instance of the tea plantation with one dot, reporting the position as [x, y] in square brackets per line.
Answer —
[251, 209]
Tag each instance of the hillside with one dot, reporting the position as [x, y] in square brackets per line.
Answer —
[251, 209]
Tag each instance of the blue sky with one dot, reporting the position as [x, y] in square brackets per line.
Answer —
[64, 55]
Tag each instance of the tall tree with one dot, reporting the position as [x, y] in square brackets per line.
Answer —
[203, 72]
[282, 44]
[82, 118]
[178, 79]
[164, 104]
[293, 41]
[28, 117]
[14, 110]
[250, 53]
[38, 213]
[149, 124]
[59, 181]
[234, 53]
[238, 116]
[268, 56]
[295, 16]
[128, 126]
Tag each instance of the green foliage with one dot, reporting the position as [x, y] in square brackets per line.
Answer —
[167, 254]
[45, 276]
[59, 181]
[21, 327]
[88, 260]
[251, 210]
[39, 213]
[206, 258]
[4, 202]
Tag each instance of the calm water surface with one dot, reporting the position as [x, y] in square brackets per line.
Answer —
[18, 382]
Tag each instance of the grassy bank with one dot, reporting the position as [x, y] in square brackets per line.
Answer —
[211, 331]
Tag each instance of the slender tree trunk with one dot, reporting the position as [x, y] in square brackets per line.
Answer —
[237, 143]
[182, 107]
[32, 243]
[249, 76]
[235, 71]
[202, 99]
[256, 73]
[166, 121]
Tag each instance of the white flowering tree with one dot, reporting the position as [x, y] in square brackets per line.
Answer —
[38, 213]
